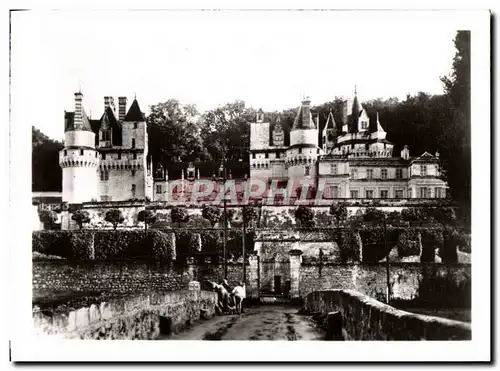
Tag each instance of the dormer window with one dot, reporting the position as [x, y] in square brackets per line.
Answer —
[423, 170]
[135, 125]
[81, 152]
[364, 125]
[106, 135]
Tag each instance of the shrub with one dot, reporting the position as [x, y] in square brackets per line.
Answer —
[451, 239]
[211, 213]
[195, 243]
[373, 214]
[73, 245]
[146, 216]
[251, 215]
[47, 217]
[115, 217]
[408, 242]
[305, 216]
[179, 215]
[150, 245]
[81, 217]
[373, 244]
[339, 211]
[432, 241]
[182, 242]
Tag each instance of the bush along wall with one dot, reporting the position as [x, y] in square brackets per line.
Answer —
[150, 245]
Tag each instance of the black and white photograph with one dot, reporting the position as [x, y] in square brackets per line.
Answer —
[255, 182]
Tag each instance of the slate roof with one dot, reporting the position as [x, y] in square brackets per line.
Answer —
[134, 113]
[304, 119]
[69, 122]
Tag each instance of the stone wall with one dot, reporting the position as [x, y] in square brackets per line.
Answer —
[364, 318]
[407, 280]
[137, 317]
[132, 277]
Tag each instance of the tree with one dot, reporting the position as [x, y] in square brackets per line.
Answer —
[373, 214]
[147, 216]
[251, 215]
[305, 216]
[81, 217]
[174, 132]
[47, 217]
[179, 215]
[211, 213]
[456, 151]
[45, 169]
[339, 211]
[229, 215]
[115, 217]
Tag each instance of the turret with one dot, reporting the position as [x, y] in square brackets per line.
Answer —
[78, 159]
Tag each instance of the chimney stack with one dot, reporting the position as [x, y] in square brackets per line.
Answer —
[109, 102]
[122, 108]
[78, 119]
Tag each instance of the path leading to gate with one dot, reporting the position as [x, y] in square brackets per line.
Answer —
[267, 322]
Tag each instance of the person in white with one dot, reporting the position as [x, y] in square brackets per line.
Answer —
[239, 294]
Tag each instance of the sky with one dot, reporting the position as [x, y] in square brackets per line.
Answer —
[269, 59]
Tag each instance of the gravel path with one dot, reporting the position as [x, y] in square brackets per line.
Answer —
[256, 323]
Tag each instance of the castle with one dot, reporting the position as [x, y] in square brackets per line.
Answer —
[353, 161]
[106, 159]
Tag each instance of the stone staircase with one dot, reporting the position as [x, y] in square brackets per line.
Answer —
[272, 298]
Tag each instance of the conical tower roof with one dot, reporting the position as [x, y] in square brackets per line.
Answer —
[304, 119]
[134, 113]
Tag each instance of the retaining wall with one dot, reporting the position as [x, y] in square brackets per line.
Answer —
[137, 317]
[364, 318]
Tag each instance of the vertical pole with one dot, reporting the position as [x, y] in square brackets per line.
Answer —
[387, 261]
[225, 218]
[243, 246]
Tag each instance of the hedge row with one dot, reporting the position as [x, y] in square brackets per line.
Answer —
[106, 245]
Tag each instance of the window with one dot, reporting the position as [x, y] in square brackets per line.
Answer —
[399, 173]
[133, 187]
[307, 170]
[105, 198]
[158, 188]
[333, 169]
[383, 173]
[369, 193]
[369, 173]
[364, 125]
[366, 146]
[300, 151]
[334, 191]
[135, 156]
[133, 173]
[423, 170]
[106, 135]
[354, 194]
[398, 193]
[135, 125]
[424, 193]
[352, 146]
[437, 192]
[81, 152]
[104, 175]
[133, 142]
[354, 173]
[96, 154]
[65, 152]
[119, 156]
[104, 156]
[253, 156]
[267, 155]
[384, 193]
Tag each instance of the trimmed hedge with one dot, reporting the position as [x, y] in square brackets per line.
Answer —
[76, 245]
[150, 245]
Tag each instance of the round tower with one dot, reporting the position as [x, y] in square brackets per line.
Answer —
[303, 152]
[79, 159]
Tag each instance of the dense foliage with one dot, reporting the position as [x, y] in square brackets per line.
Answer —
[147, 216]
[179, 215]
[47, 217]
[81, 217]
[106, 245]
[305, 216]
[211, 213]
[115, 217]
[46, 174]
